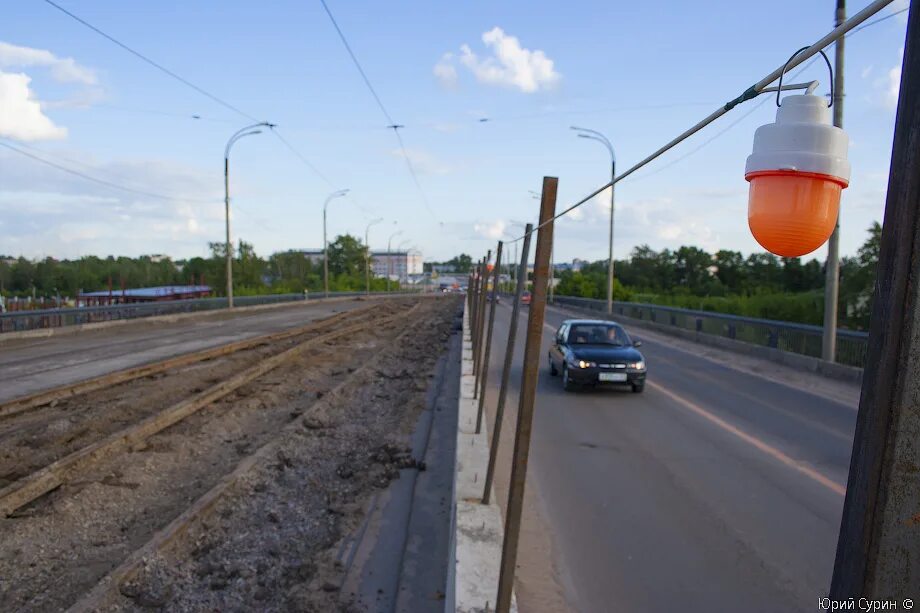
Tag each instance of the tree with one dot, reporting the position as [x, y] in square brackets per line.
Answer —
[347, 256]
[730, 269]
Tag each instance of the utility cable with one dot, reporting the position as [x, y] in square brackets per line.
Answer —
[185, 82]
[759, 104]
[390, 123]
[93, 179]
[749, 94]
[156, 65]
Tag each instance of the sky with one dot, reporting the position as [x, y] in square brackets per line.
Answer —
[638, 72]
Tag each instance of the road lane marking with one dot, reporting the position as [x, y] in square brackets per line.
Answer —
[747, 438]
[666, 337]
[811, 423]
[752, 440]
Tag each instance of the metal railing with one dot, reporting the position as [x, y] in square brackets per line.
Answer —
[786, 336]
[19, 321]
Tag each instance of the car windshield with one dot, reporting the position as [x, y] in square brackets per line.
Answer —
[598, 334]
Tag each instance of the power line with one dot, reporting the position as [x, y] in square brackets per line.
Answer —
[188, 83]
[390, 123]
[749, 94]
[759, 104]
[146, 59]
[357, 64]
[110, 184]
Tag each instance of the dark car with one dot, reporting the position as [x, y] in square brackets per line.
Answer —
[493, 296]
[592, 352]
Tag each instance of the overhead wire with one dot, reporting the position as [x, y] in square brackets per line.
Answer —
[151, 62]
[104, 182]
[759, 104]
[188, 83]
[749, 94]
[390, 123]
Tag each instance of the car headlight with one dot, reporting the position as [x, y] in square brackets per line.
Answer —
[640, 365]
[583, 364]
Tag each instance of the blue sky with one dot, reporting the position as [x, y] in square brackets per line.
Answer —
[639, 72]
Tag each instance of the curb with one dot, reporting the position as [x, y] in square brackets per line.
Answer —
[478, 531]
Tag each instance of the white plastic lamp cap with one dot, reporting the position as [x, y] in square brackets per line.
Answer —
[797, 170]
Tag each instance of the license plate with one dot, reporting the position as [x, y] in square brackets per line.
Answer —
[612, 377]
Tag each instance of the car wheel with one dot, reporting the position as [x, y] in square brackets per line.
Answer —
[552, 368]
[567, 384]
[637, 389]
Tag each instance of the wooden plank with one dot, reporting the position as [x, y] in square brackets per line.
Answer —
[25, 403]
[29, 488]
[171, 534]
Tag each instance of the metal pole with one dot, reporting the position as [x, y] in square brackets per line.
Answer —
[878, 552]
[227, 246]
[488, 348]
[247, 131]
[506, 370]
[325, 255]
[613, 174]
[333, 195]
[832, 268]
[477, 277]
[480, 318]
[367, 259]
[599, 137]
[528, 392]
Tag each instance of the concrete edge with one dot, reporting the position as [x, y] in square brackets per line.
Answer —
[101, 325]
[477, 528]
[798, 361]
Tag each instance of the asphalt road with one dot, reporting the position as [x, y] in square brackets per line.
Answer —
[28, 366]
[714, 490]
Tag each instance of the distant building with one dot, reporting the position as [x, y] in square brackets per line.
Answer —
[159, 257]
[314, 255]
[396, 264]
[143, 294]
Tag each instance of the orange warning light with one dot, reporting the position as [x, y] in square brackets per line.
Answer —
[797, 171]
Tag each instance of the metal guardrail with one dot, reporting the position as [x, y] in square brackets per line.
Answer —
[18, 321]
[787, 336]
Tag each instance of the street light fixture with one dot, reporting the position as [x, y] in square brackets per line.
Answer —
[390, 257]
[399, 248]
[367, 257]
[595, 135]
[332, 196]
[247, 131]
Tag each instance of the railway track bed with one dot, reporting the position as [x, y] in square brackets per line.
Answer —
[213, 511]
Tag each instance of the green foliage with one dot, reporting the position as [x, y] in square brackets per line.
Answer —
[287, 272]
[760, 285]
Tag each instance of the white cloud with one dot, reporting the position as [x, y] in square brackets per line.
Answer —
[445, 72]
[491, 229]
[65, 70]
[21, 115]
[509, 64]
[893, 84]
[47, 212]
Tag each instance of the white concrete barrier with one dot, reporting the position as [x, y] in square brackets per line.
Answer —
[478, 529]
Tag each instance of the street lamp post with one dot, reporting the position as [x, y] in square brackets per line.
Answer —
[399, 248]
[513, 270]
[247, 131]
[390, 257]
[333, 195]
[595, 135]
[367, 257]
